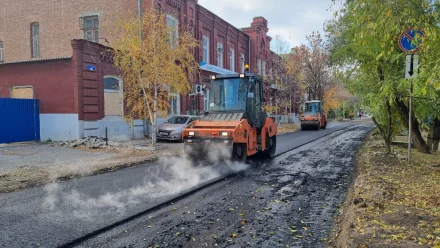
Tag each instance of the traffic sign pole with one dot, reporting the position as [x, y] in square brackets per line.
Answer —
[410, 72]
[407, 45]
[409, 121]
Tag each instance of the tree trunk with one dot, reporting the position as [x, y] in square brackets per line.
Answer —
[384, 136]
[436, 138]
[147, 104]
[416, 135]
[431, 130]
[153, 140]
[390, 123]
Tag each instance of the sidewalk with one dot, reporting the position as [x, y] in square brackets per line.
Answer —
[24, 165]
[32, 164]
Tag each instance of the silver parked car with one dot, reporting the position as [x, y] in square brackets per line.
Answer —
[173, 127]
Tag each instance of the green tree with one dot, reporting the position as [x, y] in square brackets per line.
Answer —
[363, 38]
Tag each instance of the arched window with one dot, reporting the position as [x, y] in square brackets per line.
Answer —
[173, 24]
[112, 84]
[113, 97]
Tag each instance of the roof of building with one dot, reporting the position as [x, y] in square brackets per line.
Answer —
[220, 18]
[34, 60]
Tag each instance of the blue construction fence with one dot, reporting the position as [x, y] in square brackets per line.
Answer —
[19, 120]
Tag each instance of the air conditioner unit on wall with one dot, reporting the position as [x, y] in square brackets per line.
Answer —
[197, 89]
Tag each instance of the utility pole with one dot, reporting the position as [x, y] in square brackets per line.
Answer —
[310, 97]
[290, 105]
[343, 110]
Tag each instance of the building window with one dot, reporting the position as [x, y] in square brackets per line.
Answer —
[220, 54]
[35, 40]
[259, 66]
[205, 49]
[2, 56]
[263, 69]
[242, 63]
[90, 27]
[174, 100]
[22, 92]
[113, 96]
[206, 100]
[174, 104]
[232, 59]
[173, 25]
[111, 84]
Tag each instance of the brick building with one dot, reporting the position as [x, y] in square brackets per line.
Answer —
[72, 93]
[36, 34]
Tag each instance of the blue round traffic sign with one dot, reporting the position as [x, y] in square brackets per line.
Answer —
[407, 42]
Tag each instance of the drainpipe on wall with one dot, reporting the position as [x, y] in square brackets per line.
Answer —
[249, 54]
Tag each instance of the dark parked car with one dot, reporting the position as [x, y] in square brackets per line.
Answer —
[172, 128]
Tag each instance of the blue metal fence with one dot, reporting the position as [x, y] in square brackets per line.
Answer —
[19, 120]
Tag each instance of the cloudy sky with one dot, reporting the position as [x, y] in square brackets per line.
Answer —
[292, 19]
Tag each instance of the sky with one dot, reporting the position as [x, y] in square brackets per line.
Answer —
[291, 19]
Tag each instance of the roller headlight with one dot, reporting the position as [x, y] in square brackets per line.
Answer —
[224, 134]
[191, 133]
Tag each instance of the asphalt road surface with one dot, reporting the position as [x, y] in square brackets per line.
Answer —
[289, 200]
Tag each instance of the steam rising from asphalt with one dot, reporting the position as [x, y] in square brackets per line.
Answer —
[171, 176]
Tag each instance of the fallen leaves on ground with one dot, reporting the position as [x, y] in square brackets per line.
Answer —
[287, 128]
[392, 201]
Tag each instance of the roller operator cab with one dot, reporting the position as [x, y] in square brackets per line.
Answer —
[313, 117]
[235, 125]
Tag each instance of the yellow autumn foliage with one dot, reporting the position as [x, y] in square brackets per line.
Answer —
[334, 96]
[156, 61]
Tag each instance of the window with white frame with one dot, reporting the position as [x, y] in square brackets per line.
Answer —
[220, 54]
[112, 84]
[232, 59]
[2, 56]
[90, 27]
[174, 104]
[35, 40]
[242, 63]
[205, 49]
[113, 96]
[263, 69]
[259, 66]
[173, 25]
[206, 100]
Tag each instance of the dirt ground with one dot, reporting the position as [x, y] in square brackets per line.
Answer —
[391, 203]
[31, 165]
[288, 128]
